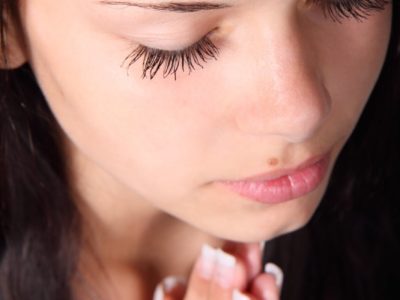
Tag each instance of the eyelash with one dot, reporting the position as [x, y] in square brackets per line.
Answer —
[203, 50]
[191, 56]
[337, 10]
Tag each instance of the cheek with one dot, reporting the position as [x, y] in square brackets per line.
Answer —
[140, 134]
[351, 59]
[159, 142]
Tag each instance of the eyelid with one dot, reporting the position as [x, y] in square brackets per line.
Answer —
[201, 51]
[359, 10]
[174, 45]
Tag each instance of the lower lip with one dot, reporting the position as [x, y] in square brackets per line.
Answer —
[289, 187]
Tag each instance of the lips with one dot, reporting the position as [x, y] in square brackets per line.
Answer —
[282, 185]
[283, 172]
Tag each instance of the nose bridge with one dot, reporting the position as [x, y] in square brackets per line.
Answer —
[289, 96]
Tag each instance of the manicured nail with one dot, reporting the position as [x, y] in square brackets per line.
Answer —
[237, 295]
[208, 260]
[277, 272]
[262, 244]
[170, 282]
[224, 275]
[159, 292]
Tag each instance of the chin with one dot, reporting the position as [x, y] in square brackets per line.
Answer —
[270, 224]
[252, 235]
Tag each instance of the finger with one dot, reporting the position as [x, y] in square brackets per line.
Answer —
[267, 286]
[223, 281]
[214, 276]
[239, 295]
[273, 269]
[171, 288]
[202, 273]
[248, 253]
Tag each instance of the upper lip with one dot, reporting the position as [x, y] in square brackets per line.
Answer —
[284, 172]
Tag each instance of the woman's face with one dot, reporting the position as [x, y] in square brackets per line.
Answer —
[287, 84]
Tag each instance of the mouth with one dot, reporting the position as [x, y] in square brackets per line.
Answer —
[284, 184]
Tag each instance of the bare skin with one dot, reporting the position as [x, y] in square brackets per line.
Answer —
[145, 155]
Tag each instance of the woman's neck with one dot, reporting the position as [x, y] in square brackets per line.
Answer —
[121, 269]
[127, 242]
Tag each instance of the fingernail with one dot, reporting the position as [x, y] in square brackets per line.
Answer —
[262, 244]
[208, 259]
[167, 285]
[237, 295]
[170, 282]
[224, 275]
[277, 272]
[159, 292]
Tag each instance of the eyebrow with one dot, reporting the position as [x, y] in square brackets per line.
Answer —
[182, 7]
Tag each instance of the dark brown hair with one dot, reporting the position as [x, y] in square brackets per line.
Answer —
[340, 254]
[39, 221]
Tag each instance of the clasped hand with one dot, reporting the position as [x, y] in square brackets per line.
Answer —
[231, 273]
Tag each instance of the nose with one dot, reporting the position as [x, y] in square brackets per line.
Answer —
[285, 94]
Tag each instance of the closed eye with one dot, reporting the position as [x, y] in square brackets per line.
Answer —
[190, 57]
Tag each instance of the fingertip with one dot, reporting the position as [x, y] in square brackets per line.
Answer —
[159, 292]
[248, 261]
[249, 254]
[205, 264]
[238, 295]
[262, 246]
[171, 287]
[276, 271]
[264, 287]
